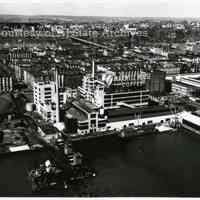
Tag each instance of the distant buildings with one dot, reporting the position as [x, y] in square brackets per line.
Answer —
[186, 87]
[170, 68]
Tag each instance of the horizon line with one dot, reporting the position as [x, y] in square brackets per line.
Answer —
[63, 15]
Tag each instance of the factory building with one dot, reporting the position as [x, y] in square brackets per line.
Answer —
[47, 101]
[103, 93]
[102, 110]
[124, 117]
[84, 118]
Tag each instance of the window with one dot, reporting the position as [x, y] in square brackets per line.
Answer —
[47, 93]
[101, 125]
[93, 115]
[93, 121]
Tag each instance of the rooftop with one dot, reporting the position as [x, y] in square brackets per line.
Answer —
[84, 106]
[77, 114]
[185, 85]
[124, 114]
[6, 105]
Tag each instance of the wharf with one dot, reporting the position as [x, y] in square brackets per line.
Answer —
[74, 138]
[6, 151]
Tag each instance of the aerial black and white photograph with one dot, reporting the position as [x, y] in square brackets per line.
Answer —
[99, 98]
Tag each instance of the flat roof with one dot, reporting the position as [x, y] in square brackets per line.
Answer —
[192, 118]
[126, 110]
[48, 128]
[77, 114]
[142, 116]
[85, 106]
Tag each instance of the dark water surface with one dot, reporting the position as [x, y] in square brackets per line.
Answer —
[161, 165]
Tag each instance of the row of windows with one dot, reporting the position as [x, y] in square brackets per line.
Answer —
[101, 125]
[47, 93]
[83, 127]
[5, 84]
[47, 89]
[148, 122]
[83, 123]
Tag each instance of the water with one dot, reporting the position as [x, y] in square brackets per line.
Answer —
[161, 165]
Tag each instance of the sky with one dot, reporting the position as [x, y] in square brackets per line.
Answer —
[121, 8]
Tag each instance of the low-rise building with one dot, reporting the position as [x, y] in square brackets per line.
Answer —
[86, 116]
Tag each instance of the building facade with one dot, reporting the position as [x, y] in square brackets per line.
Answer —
[6, 83]
[46, 100]
[100, 92]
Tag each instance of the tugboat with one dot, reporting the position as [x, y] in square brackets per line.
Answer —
[60, 174]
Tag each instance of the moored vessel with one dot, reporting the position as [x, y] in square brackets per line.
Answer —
[67, 167]
[136, 131]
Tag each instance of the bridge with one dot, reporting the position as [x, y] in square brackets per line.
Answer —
[91, 43]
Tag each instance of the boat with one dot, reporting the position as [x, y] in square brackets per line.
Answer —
[49, 176]
[53, 174]
[136, 131]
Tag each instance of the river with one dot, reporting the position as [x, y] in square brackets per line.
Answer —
[154, 165]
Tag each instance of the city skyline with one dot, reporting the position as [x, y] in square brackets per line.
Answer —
[119, 8]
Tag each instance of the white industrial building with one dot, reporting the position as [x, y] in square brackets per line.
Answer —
[96, 92]
[48, 100]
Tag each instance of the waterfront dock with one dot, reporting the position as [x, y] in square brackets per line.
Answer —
[74, 138]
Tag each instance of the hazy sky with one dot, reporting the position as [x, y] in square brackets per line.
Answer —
[127, 8]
